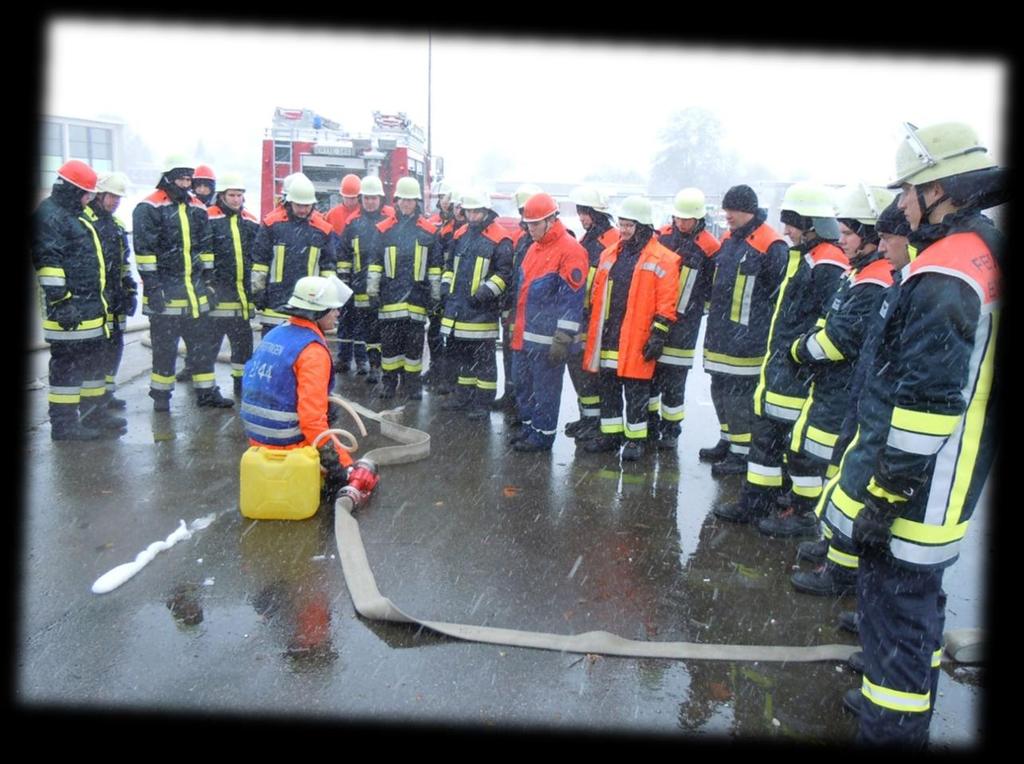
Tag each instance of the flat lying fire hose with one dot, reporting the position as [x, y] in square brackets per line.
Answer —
[370, 603]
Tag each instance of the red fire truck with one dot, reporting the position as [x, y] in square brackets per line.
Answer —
[300, 140]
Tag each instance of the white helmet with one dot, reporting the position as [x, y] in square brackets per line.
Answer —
[318, 293]
[636, 208]
[232, 181]
[301, 190]
[287, 183]
[408, 188]
[371, 186]
[588, 196]
[689, 203]
[476, 199]
[862, 203]
[115, 183]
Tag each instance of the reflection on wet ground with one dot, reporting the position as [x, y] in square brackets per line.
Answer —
[255, 616]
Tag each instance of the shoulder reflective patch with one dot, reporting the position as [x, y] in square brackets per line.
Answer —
[576, 275]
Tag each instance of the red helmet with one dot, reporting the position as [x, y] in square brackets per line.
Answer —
[203, 172]
[350, 185]
[78, 173]
[538, 207]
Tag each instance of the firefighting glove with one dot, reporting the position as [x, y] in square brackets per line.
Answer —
[479, 299]
[131, 303]
[157, 301]
[654, 347]
[872, 528]
[373, 286]
[211, 295]
[435, 292]
[66, 315]
[559, 350]
[335, 474]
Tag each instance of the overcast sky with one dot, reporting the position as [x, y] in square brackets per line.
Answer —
[557, 111]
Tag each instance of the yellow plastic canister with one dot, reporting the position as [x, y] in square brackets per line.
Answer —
[280, 484]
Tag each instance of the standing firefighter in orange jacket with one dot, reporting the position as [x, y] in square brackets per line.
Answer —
[286, 382]
[549, 302]
[350, 352]
[632, 305]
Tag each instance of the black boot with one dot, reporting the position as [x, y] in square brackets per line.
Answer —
[789, 523]
[113, 403]
[413, 385]
[856, 662]
[829, 580]
[161, 401]
[589, 429]
[185, 375]
[602, 444]
[813, 551]
[211, 398]
[363, 368]
[633, 451]
[237, 383]
[373, 375]
[716, 453]
[733, 464]
[65, 425]
[389, 385]
[852, 700]
[740, 512]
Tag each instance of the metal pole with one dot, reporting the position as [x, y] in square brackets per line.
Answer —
[430, 154]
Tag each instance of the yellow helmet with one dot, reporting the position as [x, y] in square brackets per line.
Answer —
[636, 208]
[689, 203]
[862, 203]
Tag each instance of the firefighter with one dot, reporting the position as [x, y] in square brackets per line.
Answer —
[928, 405]
[287, 380]
[204, 181]
[749, 267]
[293, 241]
[204, 184]
[350, 352]
[549, 303]
[831, 348]
[592, 209]
[121, 289]
[480, 272]
[175, 261]
[404, 274]
[696, 247]
[438, 374]
[852, 460]
[234, 231]
[633, 301]
[812, 275]
[521, 241]
[357, 240]
[68, 264]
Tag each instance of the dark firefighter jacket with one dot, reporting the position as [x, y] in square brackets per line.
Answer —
[68, 264]
[288, 248]
[358, 238]
[234, 236]
[749, 267]
[812, 276]
[408, 260]
[696, 252]
[172, 249]
[481, 269]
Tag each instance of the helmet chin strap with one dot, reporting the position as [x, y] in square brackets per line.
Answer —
[926, 209]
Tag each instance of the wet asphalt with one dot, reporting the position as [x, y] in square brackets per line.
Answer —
[255, 618]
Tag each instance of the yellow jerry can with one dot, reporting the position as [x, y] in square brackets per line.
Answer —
[280, 484]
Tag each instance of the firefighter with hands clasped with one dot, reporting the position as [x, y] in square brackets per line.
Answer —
[234, 231]
[812, 273]
[293, 241]
[633, 305]
[404, 278]
[749, 267]
[171, 232]
[548, 307]
[480, 272]
[696, 247]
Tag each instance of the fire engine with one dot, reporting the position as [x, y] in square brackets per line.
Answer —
[300, 140]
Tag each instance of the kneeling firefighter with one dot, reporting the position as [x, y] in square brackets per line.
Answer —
[287, 380]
